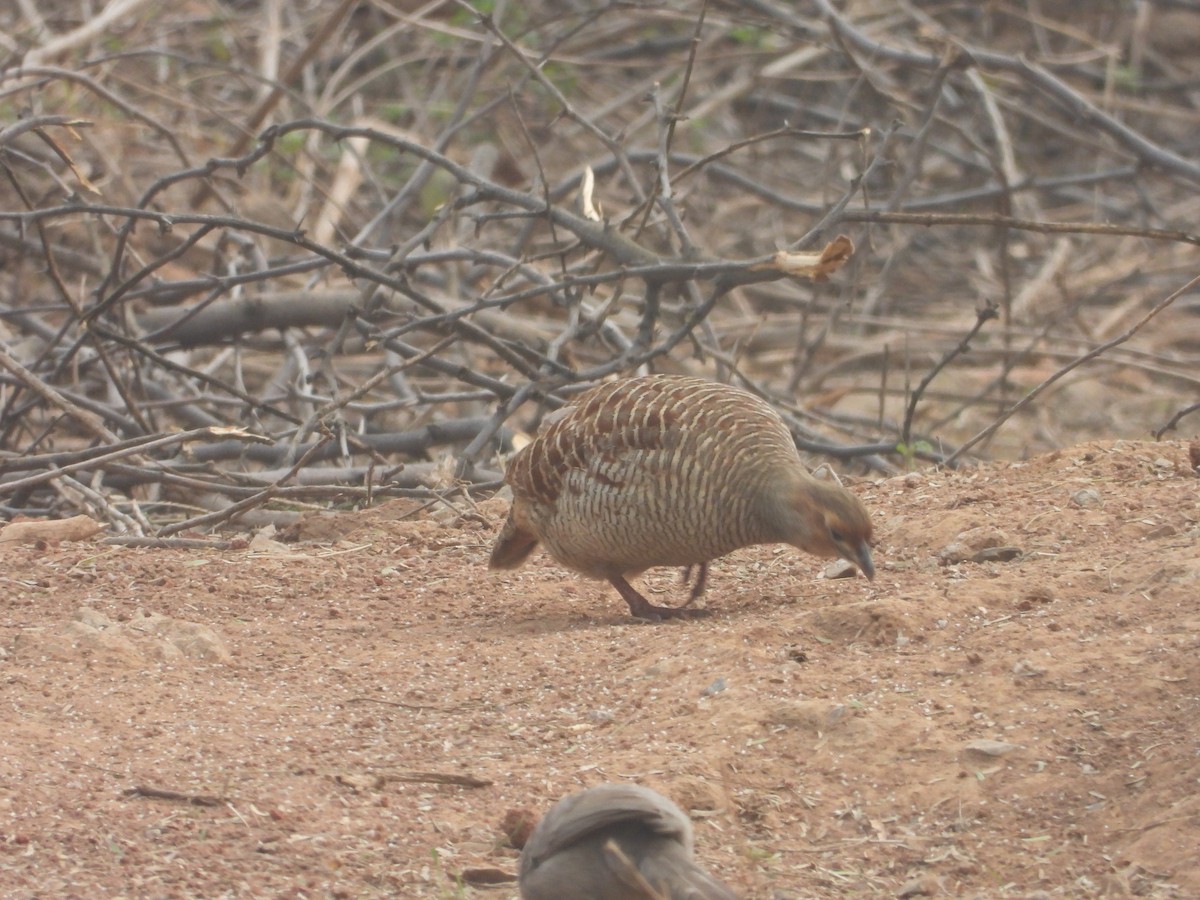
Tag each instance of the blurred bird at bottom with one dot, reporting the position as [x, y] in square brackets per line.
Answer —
[615, 842]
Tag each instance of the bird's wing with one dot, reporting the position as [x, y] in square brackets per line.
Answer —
[596, 438]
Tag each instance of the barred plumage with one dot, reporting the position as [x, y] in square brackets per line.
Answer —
[670, 470]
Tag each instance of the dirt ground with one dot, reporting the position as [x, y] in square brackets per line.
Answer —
[354, 714]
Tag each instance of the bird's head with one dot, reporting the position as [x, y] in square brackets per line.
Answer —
[823, 518]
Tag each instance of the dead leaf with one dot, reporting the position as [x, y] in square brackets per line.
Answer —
[817, 266]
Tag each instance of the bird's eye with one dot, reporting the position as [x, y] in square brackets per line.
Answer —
[837, 536]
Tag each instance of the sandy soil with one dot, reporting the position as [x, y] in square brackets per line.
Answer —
[356, 713]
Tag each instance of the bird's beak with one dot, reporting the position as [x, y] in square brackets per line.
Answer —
[864, 561]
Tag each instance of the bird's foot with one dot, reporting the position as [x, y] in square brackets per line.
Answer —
[641, 608]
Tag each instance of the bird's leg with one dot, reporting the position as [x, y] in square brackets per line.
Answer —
[642, 608]
[701, 582]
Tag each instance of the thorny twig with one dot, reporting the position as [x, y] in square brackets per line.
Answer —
[1074, 364]
[464, 288]
[983, 315]
[1175, 420]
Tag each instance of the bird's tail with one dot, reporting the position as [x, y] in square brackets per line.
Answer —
[512, 547]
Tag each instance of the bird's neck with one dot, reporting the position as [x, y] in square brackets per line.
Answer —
[789, 509]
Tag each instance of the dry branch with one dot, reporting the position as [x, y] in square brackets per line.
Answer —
[407, 268]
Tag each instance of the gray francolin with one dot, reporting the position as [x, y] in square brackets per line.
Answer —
[615, 842]
[668, 470]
